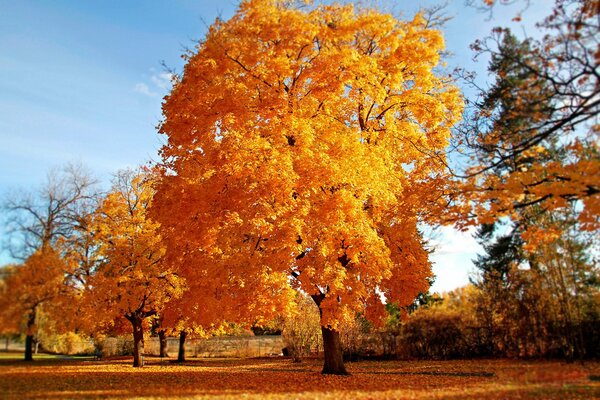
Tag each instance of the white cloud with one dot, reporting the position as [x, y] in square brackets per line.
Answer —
[452, 258]
[144, 89]
[159, 83]
[162, 80]
[451, 241]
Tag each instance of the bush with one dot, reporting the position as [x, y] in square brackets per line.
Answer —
[435, 333]
[68, 343]
[302, 329]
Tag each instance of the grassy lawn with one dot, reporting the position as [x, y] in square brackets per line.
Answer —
[282, 379]
[17, 356]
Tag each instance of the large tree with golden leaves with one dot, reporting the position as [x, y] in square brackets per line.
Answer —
[302, 147]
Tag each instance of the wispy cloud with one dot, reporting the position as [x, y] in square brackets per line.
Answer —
[451, 241]
[144, 89]
[162, 80]
[158, 84]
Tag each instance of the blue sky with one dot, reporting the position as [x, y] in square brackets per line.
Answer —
[83, 81]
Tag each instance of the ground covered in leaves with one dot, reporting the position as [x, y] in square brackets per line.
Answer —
[281, 379]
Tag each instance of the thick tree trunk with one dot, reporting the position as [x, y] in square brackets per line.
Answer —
[332, 348]
[181, 354]
[162, 339]
[138, 340]
[29, 348]
[29, 337]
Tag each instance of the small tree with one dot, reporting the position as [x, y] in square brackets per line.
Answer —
[39, 281]
[132, 280]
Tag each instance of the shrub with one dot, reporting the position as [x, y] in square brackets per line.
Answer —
[68, 343]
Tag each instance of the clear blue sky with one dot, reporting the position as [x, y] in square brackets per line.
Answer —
[82, 81]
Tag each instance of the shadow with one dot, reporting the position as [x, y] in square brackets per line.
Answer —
[433, 373]
[279, 370]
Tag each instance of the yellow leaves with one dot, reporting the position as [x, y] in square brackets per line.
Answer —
[133, 277]
[540, 180]
[306, 119]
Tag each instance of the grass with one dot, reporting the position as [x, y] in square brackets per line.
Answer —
[18, 356]
[281, 379]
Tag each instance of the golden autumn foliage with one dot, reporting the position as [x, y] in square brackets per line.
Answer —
[533, 135]
[297, 147]
[38, 280]
[132, 280]
[37, 283]
[132, 277]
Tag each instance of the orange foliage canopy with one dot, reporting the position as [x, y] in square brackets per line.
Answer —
[132, 279]
[535, 134]
[298, 143]
[38, 282]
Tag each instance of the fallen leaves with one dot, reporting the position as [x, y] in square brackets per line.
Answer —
[281, 379]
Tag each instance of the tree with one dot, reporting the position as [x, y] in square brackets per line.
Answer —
[545, 101]
[132, 281]
[523, 159]
[39, 225]
[541, 299]
[177, 319]
[304, 143]
[161, 332]
[54, 212]
[8, 327]
[36, 283]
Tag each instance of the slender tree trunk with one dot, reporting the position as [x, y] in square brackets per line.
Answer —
[6, 345]
[332, 346]
[162, 338]
[29, 335]
[181, 354]
[138, 340]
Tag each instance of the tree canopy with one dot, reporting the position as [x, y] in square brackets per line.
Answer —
[300, 146]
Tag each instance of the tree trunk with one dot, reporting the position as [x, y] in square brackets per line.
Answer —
[29, 348]
[162, 338]
[181, 354]
[332, 346]
[29, 337]
[138, 340]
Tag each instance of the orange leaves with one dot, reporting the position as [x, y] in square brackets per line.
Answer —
[533, 135]
[536, 236]
[38, 281]
[133, 277]
[282, 379]
[288, 138]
